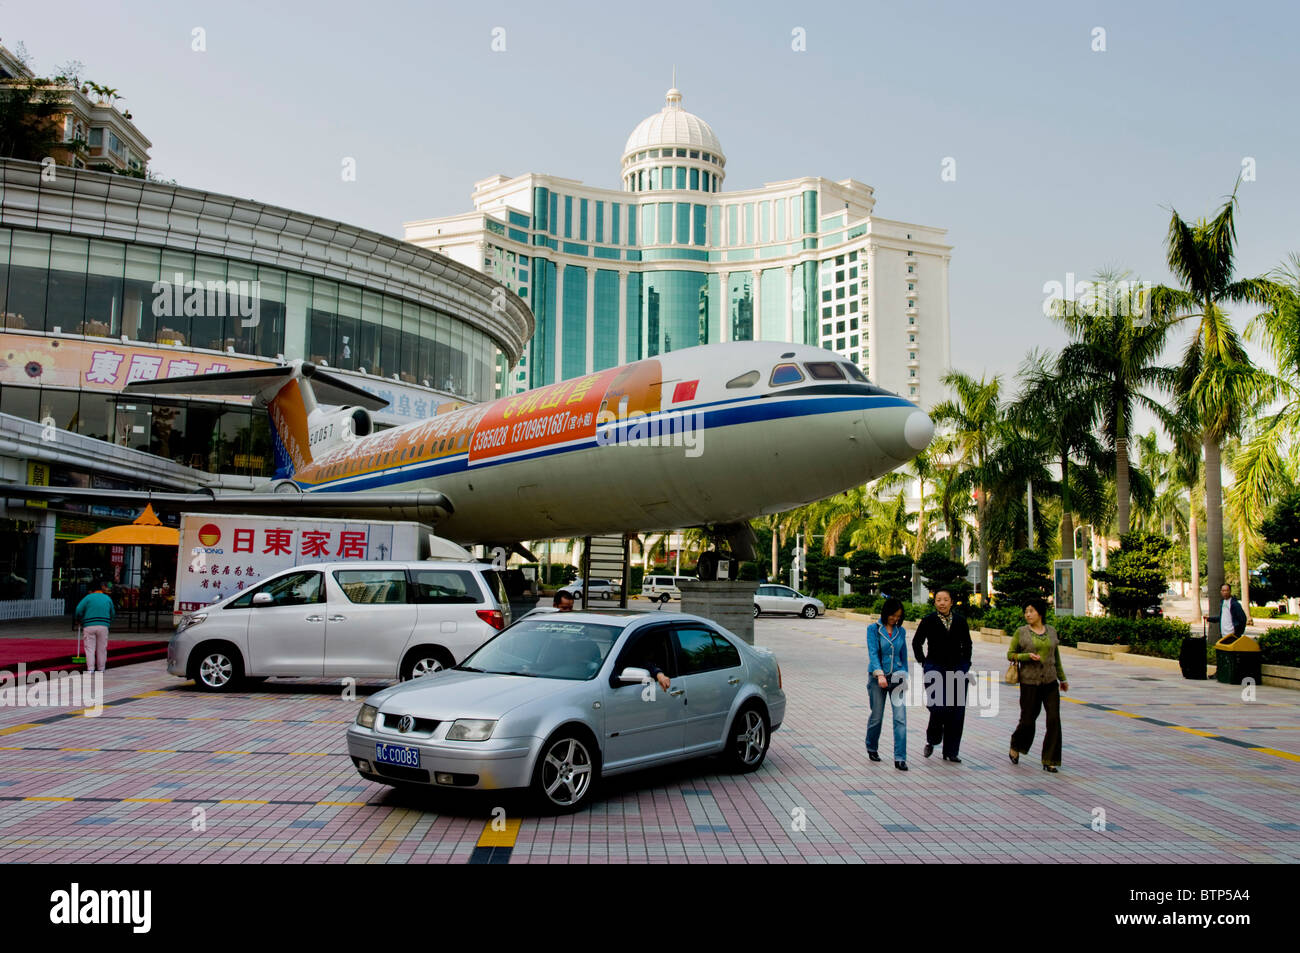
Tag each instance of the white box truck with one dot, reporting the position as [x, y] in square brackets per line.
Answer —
[221, 555]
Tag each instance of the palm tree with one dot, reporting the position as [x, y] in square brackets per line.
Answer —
[1114, 360]
[1217, 383]
[973, 415]
[841, 513]
[955, 506]
[1058, 405]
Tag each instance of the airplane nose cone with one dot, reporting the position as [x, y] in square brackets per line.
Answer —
[918, 430]
[901, 433]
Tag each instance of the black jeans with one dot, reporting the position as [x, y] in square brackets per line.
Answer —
[1034, 698]
[945, 727]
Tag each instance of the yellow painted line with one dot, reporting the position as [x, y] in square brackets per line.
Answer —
[49, 799]
[502, 838]
[81, 749]
[146, 800]
[153, 694]
[1194, 731]
[236, 801]
[15, 728]
[340, 803]
[13, 749]
[305, 754]
[1126, 714]
[1280, 754]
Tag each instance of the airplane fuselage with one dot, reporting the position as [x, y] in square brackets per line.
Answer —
[712, 434]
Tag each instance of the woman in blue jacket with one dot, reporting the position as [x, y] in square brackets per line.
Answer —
[887, 660]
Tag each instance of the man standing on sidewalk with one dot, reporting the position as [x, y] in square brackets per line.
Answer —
[95, 614]
[1232, 614]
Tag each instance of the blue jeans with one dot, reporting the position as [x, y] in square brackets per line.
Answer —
[897, 699]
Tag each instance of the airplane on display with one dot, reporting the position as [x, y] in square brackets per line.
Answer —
[707, 436]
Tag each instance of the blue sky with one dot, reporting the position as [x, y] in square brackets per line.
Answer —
[1067, 159]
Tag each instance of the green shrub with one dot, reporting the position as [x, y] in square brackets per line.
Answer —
[748, 572]
[1281, 646]
[831, 602]
[1263, 612]
[1005, 618]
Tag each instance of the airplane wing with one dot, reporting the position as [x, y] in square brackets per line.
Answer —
[328, 388]
[425, 506]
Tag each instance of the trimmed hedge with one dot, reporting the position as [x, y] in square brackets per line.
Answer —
[1103, 630]
[1281, 646]
[912, 611]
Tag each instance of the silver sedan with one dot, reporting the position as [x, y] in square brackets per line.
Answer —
[558, 701]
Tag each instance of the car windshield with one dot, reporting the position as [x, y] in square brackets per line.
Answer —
[546, 648]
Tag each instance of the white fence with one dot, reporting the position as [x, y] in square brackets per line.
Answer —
[30, 608]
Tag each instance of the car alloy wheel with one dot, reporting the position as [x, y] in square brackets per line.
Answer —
[218, 670]
[565, 772]
[748, 739]
[755, 612]
[425, 666]
[810, 612]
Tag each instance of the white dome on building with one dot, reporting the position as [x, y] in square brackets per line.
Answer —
[673, 126]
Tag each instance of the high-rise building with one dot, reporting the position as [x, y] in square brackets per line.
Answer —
[670, 260]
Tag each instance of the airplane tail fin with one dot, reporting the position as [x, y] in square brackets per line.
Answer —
[289, 393]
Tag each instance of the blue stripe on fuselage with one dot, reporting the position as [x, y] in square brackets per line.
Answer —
[717, 414]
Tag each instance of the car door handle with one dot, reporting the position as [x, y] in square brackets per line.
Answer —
[733, 681]
[677, 691]
[315, 618]
[338, 618]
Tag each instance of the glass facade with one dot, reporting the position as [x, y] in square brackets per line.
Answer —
[680, 309]
[606, 320]
[573, 357]
[772, 299]
[101, 288]
[541, 368]
[740, 305]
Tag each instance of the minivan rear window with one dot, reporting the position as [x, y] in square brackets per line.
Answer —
[446, 586]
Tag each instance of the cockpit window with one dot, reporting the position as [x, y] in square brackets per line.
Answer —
[855, 372]
[786, 374]
[824, 371]
[748, 379]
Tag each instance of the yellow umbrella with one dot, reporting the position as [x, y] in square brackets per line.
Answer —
[147, 530]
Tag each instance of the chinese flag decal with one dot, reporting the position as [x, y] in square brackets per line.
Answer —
[685, 391]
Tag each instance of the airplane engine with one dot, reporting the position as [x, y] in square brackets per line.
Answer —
[328, 431]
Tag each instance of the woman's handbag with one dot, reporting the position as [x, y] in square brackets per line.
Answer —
[1012, 677]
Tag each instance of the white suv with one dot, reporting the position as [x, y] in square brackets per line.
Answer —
[663, 588]
[363, 619]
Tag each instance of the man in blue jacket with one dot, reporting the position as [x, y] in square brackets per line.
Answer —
[95, 614]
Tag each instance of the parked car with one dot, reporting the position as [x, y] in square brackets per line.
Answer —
[663, 588]
[557, 702]
[363, 619]
[774, 598]
[597, 589]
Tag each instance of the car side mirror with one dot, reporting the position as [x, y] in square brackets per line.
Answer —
[263, 599]
[634, 676]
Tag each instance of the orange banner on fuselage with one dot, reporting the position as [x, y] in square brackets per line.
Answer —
[543, 417]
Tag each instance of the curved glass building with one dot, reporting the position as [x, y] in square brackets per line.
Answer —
[670, 260]
[107, 279]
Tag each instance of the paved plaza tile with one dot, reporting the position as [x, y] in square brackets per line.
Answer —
[1178, 771]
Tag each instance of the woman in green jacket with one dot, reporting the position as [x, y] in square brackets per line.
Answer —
[1036, 647]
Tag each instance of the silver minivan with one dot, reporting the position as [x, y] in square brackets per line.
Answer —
[330, 620]
[663, 588]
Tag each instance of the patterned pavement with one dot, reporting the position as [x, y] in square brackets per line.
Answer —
[1185, 772]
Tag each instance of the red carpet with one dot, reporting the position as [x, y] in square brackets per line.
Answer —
[56, 654]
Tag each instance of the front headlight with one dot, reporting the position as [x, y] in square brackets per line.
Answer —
[471, 729]
[190, 621]
[366, 716]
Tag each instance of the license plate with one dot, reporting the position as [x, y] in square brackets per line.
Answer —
[401, 755]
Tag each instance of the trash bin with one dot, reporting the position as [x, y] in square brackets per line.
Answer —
[1238, 660]
[1191, 657]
